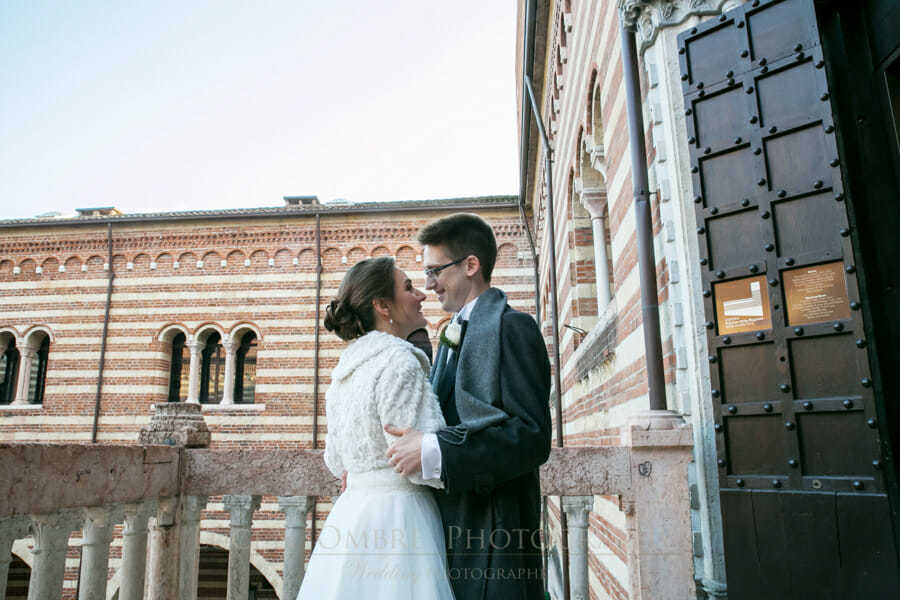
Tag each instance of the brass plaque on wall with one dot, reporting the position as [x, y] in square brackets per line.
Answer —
[816, 294]
[742, 305]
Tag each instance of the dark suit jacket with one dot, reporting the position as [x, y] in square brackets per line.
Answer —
[490, 506]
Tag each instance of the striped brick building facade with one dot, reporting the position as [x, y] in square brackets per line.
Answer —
[577, 76]
[203, 274]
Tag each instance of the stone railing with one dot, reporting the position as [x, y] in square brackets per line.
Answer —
[158, 492]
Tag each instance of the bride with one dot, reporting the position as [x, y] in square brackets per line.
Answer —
[383, 537]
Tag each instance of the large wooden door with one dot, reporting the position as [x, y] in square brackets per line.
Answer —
[801, 462]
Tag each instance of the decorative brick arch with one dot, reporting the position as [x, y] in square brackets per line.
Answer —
[331, 258]
[211, 260]
[283, 258]
[73, 264]
[406, 257]
[244, 326]
[9, 334]
[259, 258]
[234, 259]
[592, 90]
[28, 265]
[507, 253]
[186, 260]
[355, 255]
[307, 259]
[202, 331]
[141, 262]
[593, 145]
[168, 332]
[164, 261]
[95, 263]
[50, 266]
[34, 329]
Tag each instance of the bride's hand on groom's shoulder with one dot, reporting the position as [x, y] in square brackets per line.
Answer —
[405, 454]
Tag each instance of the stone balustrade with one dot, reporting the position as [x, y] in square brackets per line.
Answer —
[157, 492]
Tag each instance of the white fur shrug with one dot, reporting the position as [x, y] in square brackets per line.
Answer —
[380, 379]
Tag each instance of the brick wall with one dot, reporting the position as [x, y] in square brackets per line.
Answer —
[603, 370]
[170, 276]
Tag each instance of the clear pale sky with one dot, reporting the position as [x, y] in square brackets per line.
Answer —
[201, 104]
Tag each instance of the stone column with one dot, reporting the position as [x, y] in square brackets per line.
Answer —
[175, 424]
[577, 509]
[228, 346]
[27, 356]
[196, 348]
[96, 537]
[595, 201]
[658, 521]
[601, 262]
[295, 510]
[10, 531]
[51, 539]
[162, 568]
[6, 542]
[241, 509]
[189, 546]
[134, 552]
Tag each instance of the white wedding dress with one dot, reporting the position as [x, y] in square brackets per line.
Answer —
[383, 538]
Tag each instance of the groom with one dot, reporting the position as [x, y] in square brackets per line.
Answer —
[492, 378]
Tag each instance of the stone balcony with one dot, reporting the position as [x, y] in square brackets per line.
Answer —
[157, 492]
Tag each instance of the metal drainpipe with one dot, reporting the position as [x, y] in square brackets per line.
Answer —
[534, 263]
[523, 158]
[527, 68]
[315, 432]
[554, 314]
[315, 440]
[109, 287]
[644, 222]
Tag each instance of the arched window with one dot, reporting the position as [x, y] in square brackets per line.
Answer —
[9, 368]
[245, 370]
[179, 370]
[38, 375]
[212, 370]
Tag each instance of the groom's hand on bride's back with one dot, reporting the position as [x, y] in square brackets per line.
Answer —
[405, 455]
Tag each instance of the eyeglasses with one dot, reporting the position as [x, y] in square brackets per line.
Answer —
[432, 272]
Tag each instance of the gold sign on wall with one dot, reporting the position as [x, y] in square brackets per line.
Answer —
[816, 294]
[743, 305]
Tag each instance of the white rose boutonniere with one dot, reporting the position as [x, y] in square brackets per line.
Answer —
[452, 335]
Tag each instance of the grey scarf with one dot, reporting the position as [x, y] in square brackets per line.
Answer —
[477, 388]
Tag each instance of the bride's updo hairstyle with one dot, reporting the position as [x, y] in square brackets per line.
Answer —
[351, 314]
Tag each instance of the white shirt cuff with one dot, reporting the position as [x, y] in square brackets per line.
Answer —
[431, 457]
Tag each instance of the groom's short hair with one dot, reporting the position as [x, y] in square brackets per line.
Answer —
[463, 234]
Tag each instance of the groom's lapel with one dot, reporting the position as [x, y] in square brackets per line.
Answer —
[445, 383]
[479, 357]
[438, 366]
